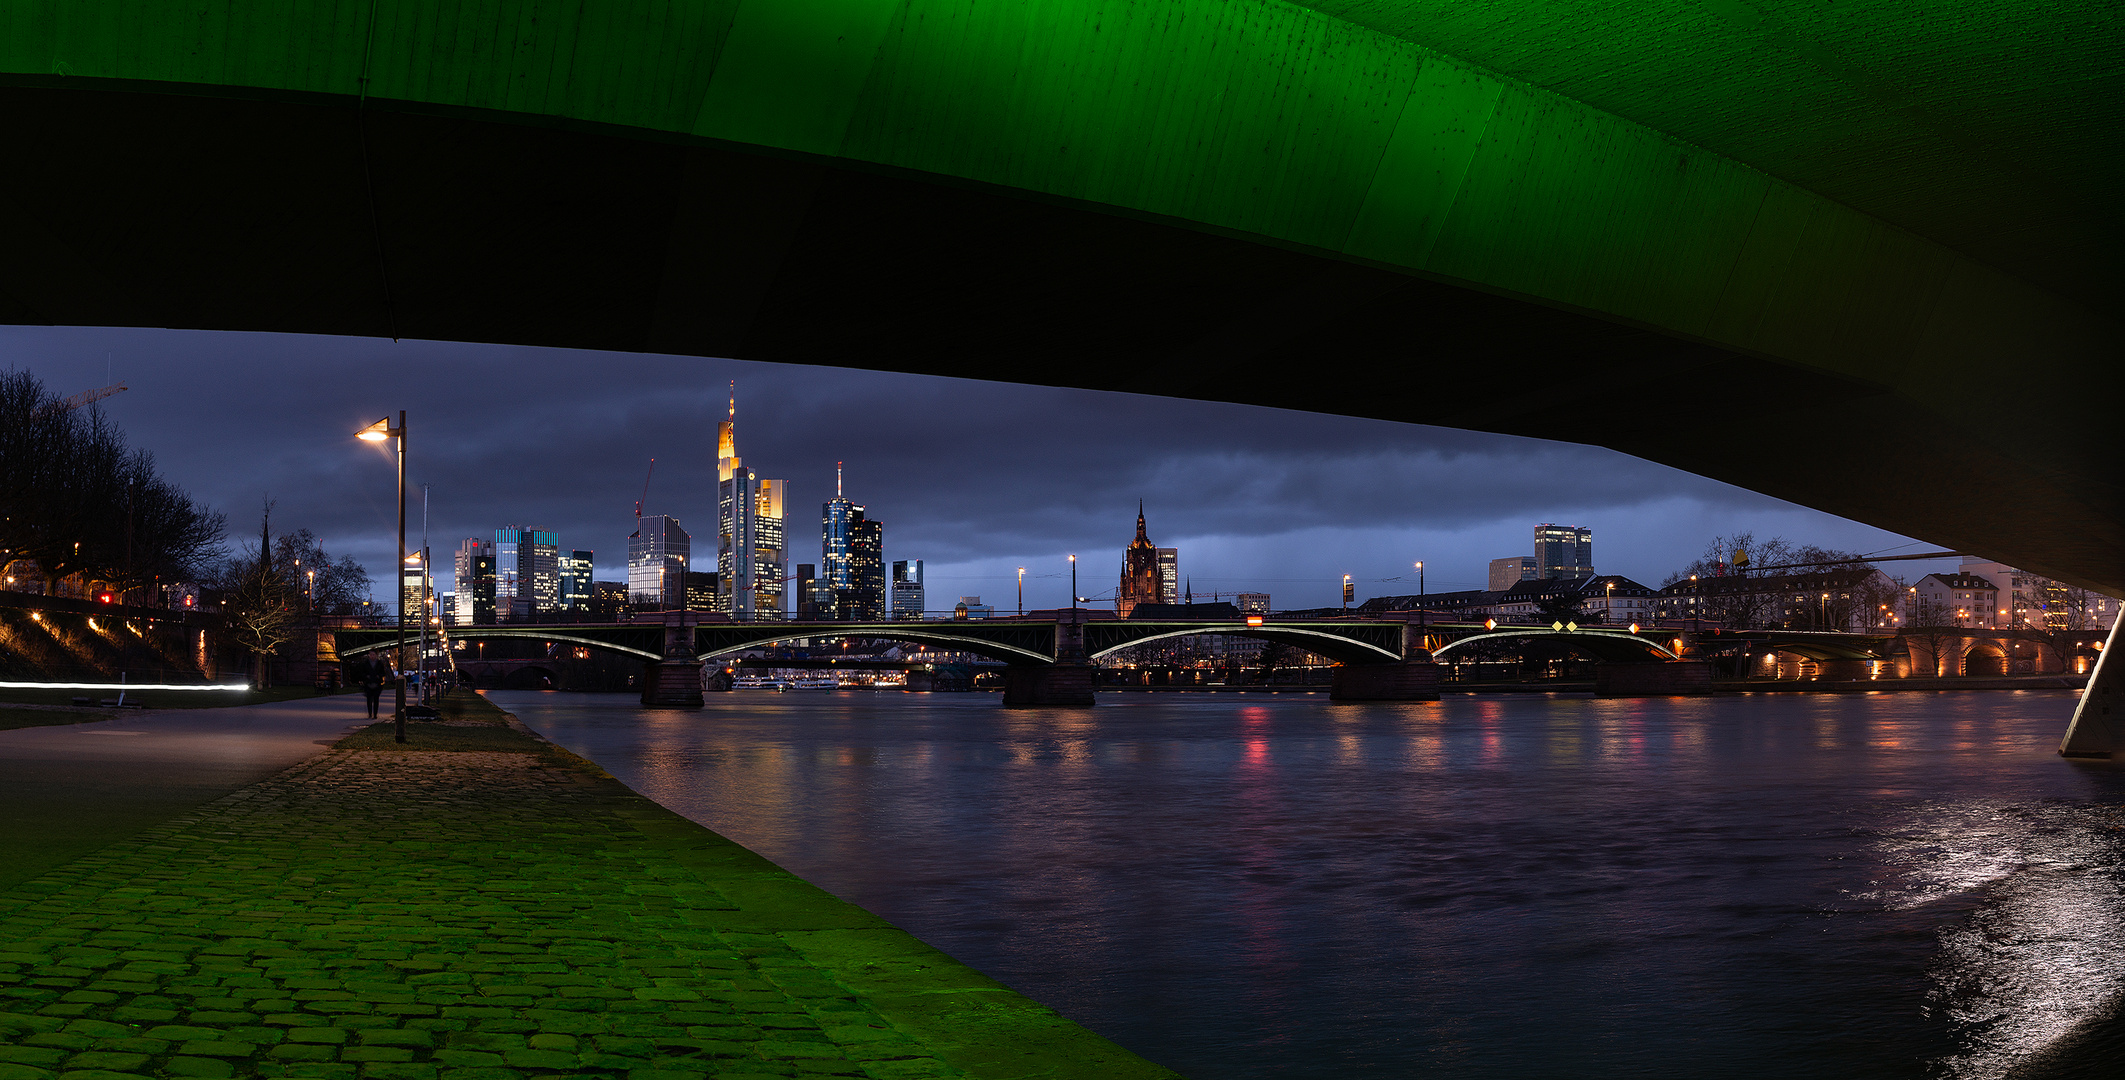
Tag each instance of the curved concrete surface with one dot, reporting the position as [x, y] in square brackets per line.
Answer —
[67, 790]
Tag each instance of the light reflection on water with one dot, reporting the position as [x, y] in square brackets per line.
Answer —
[1893, 885]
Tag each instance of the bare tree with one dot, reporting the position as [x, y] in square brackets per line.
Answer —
[328, 588]
[259, 605]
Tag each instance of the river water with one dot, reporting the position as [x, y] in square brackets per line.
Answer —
[1242, 886]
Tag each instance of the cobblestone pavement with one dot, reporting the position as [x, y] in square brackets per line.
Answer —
[464, 915]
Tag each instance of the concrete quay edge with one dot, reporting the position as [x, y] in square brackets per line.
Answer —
[98, 957]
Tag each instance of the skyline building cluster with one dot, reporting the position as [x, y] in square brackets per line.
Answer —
[524, 574]
[520, 575]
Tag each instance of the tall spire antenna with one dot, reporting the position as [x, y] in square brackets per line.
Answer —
[734, 399]
[837, 479]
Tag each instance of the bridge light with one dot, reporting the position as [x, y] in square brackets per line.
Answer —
[1490, 624]
[1634, 628]
[1254, 620]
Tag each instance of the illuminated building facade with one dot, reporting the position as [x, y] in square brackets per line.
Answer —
[908, 595]
[576, 584]
[474, 591]
[752, 545]
[412, 592]
[527, 573]
[851, 559]
[1508, 572]
[657, 556]
[1563, 553]
[701, 593]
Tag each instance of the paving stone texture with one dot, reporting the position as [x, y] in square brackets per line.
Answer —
[480, 914]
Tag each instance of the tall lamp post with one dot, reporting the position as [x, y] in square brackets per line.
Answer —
[1422, 618]
[378, 432]
[1022, 590]
[1073, 583]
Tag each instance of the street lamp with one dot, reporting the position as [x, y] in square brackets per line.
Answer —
[1421, 618]
[1073, 583]
[1022, 591]
[1346, 592]
[378, 432]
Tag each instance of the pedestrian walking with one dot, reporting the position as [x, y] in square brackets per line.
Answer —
[373, 675]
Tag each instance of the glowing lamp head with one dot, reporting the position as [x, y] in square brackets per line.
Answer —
[1254, 620]
[376, 432]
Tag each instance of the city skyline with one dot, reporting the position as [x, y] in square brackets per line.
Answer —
[1261, 500]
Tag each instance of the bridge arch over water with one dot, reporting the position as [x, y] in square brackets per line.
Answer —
[1611, 646]
[372, 640]
[1342, 642]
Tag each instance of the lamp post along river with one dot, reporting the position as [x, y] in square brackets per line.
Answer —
[378, 432]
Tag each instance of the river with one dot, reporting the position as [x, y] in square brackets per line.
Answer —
[1255, 886]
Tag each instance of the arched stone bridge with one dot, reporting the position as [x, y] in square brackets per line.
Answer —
[1613, 646]
[1049, 657]
[1011, 640]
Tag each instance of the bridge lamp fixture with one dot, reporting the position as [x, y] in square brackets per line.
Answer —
[1254, 620]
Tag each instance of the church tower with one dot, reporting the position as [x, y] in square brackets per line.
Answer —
[1141, 580]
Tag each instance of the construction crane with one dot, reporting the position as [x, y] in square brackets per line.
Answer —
[638, 502]
[86, 397]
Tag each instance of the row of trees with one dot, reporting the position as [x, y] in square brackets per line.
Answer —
[81, 510]
[84, 513]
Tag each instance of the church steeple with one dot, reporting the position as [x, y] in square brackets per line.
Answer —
[1142, 539]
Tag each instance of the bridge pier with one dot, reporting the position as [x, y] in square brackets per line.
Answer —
[1653, 678]
[1028, 686]
[1408, 680]
[2098, 726]
[675, 681]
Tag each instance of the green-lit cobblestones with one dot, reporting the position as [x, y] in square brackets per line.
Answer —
[395, 915]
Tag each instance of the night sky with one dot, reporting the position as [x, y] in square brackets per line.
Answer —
[974, 478]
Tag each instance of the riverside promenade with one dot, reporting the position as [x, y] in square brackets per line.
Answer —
[475, 905]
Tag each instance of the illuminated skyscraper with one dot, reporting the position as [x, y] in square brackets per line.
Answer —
[752, 548]
[908, 597]
[657, 556]
[1564, 552]
[852, 559]
[475, 583]
[527, 572]
[576, 587]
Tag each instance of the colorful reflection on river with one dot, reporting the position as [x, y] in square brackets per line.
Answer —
[1239, 886]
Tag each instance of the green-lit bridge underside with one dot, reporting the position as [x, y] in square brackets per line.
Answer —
[1152, 195]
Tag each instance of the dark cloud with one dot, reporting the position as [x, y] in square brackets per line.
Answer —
[974, 478]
